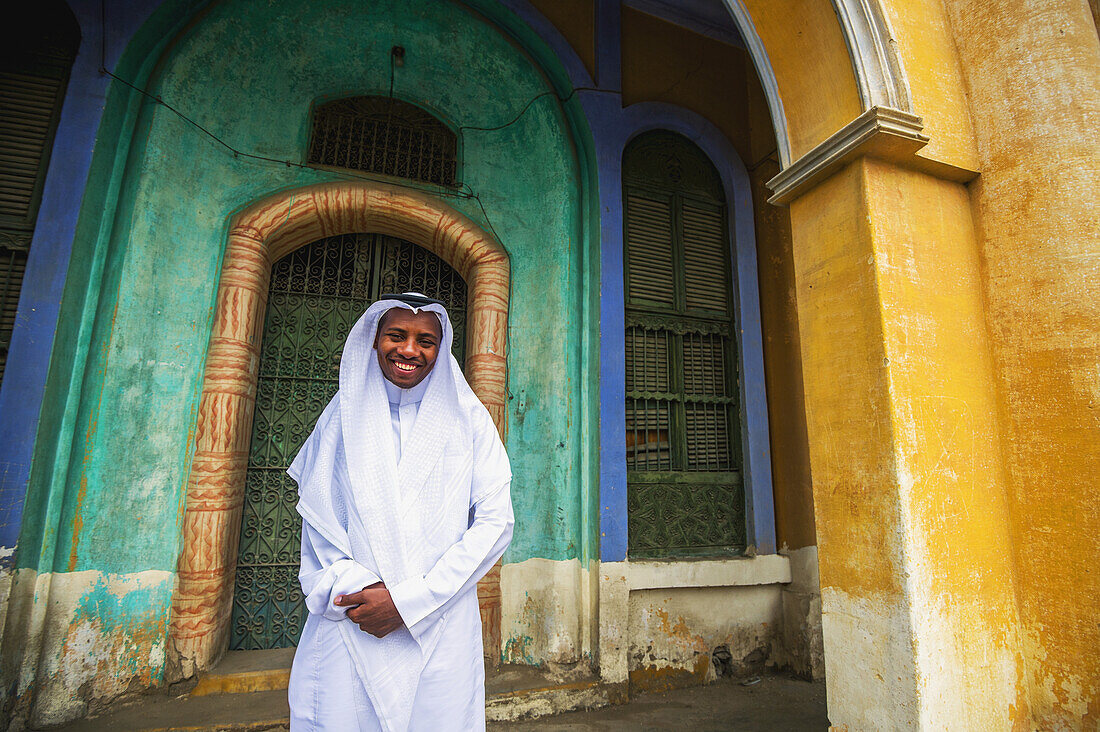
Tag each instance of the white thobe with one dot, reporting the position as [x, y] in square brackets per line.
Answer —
[325, 691]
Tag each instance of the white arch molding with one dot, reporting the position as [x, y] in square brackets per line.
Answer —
[888, 121]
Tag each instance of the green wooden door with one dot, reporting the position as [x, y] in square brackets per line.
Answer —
[317, 293]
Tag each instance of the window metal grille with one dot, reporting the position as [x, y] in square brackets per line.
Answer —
[316, 294]
[684, 487]
[386, 136]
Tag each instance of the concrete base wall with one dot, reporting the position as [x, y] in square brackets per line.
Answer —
[671, 623]
[77, 640]
[687, 636]
[799, 645]
[659, 624]
[548, 612]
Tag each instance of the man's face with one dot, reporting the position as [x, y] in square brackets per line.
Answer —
[407, 345]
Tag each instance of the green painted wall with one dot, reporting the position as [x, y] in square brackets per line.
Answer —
[249, 72]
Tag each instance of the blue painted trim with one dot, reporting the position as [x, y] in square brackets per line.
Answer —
[604, 113]
[605, 116]
[36, 316]
[608, 39]
[759, 501]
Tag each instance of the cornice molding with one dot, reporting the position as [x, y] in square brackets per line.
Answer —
[880, 132]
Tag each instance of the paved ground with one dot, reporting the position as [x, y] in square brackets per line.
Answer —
[775, 703]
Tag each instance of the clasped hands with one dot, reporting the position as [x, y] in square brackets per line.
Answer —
[372, 610]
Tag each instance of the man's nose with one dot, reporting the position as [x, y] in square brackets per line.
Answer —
[408, 348]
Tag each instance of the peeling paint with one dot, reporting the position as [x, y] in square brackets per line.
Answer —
[101, 633]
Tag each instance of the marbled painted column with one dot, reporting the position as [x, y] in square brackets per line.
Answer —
[203, 602]
[486, 362]
[259, 236]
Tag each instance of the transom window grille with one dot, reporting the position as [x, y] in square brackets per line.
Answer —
[34, 71]
[684, 487]
[386, 136]
[317, 293]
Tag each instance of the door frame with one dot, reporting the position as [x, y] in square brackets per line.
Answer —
[259, 236]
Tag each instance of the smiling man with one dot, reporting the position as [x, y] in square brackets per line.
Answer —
[405, 504]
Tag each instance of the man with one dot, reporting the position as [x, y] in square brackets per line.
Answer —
[404, 497]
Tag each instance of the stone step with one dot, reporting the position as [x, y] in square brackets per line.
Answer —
[247, 691]
[242, 672]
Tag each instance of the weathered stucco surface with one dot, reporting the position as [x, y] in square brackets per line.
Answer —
[905, 453]
[1033, 72]
[661, 622]
[249, 73]
[936, 86]
[106, 634]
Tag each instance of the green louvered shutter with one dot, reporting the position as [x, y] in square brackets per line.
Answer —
[706, 257]
[684, 486]
[649, 268]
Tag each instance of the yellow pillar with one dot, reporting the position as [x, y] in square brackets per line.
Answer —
[917, 582]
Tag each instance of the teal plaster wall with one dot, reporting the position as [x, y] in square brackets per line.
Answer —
[249, 72]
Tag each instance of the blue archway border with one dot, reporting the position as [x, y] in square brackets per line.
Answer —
[36, 321]
[612, 128]
[635, 120]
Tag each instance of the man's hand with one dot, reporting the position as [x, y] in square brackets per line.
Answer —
[372, 610]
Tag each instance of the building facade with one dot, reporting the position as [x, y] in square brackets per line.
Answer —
[786, 310]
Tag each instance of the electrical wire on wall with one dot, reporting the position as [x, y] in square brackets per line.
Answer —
[397, 56]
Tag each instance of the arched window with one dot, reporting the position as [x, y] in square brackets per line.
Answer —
[36, 54]
[684, 479]
[384, 135]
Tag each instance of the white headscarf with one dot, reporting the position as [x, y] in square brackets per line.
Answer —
[394, 519]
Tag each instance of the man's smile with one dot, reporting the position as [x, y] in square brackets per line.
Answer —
[407, 344]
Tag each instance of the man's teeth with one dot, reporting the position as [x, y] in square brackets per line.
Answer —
[405, 366]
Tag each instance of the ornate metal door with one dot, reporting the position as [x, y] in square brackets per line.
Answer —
[317, 293]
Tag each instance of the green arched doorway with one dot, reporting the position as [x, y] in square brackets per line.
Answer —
[317, 292]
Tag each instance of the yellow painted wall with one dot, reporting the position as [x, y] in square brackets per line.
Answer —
[938, 91]
[812, 67]
[850, 431]
[576, 20]
[951, 489]
[1033, 72]
[911, 509]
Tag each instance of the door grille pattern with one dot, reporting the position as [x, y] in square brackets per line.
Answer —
[384, 135]
[316, 294]
[684, 488]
